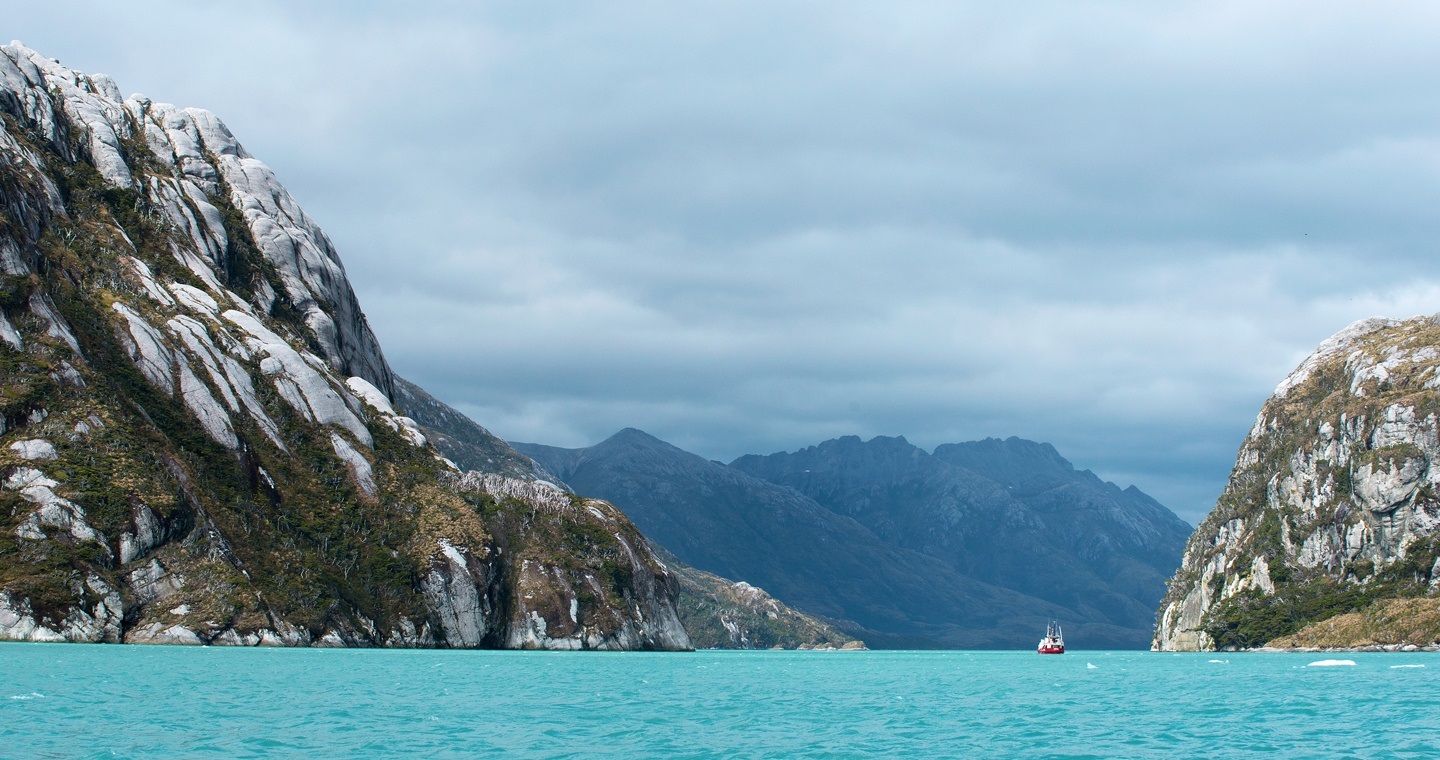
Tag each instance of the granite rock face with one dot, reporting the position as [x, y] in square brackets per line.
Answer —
[1332, 503]
[201, 441]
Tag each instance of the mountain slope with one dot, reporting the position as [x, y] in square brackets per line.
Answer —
[725, 521]
[719, 613]
[1332, 503]
[1010, 513]
[199, 443]
[460, 439]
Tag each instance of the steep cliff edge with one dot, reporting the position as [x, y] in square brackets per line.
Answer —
[465, 443]
[1332, 504]
[198, 442]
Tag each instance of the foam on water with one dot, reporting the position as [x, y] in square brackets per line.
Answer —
[158, 701]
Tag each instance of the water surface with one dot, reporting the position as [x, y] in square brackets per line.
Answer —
[72, 700]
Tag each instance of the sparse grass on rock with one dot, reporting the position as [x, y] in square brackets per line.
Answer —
[1386, 623]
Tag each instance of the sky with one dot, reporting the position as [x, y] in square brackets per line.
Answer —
[748, 227]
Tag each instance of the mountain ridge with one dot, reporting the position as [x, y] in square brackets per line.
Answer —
[1064, 536]
[690, 506]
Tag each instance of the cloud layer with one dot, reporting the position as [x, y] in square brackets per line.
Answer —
[747, 227]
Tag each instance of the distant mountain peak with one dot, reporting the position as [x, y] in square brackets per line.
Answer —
[631, 434]
[916, 548]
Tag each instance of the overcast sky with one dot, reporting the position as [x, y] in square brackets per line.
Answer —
[747, 227]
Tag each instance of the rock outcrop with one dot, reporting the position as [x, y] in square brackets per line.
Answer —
[719, 613]
[1332, 502]
[200, 435]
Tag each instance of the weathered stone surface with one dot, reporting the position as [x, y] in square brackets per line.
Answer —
[192, 375]
[1333, 494]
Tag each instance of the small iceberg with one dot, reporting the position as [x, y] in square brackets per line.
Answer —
[1089, 666]
[1332, 664]
[1221, 662]
[1412, 665]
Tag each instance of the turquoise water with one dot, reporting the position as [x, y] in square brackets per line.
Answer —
[70, 700]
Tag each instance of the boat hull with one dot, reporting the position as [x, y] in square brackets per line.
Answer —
[1051, 650]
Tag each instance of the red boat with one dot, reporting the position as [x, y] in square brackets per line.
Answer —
[1054, 641]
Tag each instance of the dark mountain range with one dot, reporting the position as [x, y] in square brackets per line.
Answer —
[1011, 513]
[895, 580]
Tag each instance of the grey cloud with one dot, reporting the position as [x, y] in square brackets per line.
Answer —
[746, 226]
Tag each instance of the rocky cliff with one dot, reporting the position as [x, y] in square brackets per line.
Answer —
[200, 443]
[1332, 503]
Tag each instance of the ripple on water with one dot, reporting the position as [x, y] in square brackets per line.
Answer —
[68, 700]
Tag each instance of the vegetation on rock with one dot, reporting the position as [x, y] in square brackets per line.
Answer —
[1331, 506]
[197, 438]
[1402, 622]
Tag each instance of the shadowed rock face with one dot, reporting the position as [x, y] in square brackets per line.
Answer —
[198, 439]
[892, 543]
[1331, 506]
